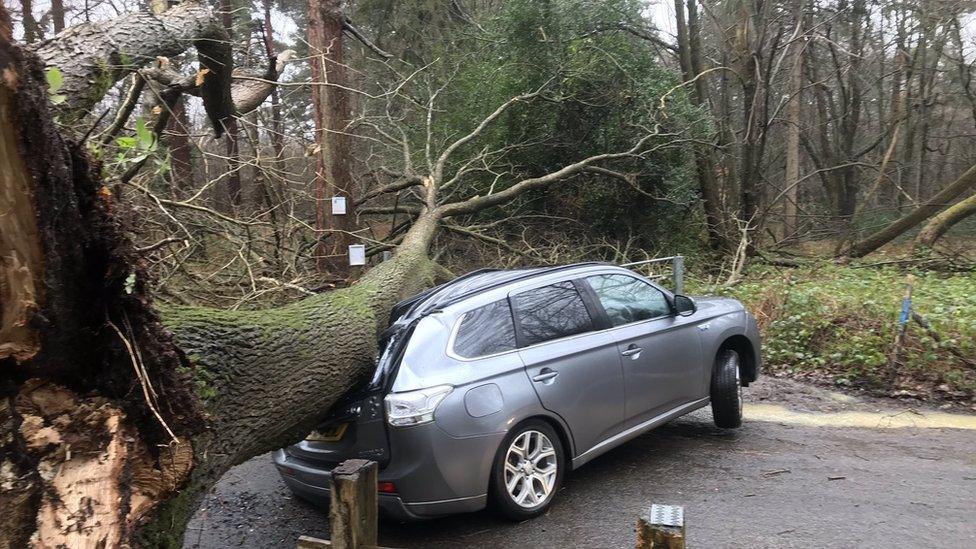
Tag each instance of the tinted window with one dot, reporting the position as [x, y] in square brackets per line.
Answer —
[627, 299]
[485, 331]
[551, 312]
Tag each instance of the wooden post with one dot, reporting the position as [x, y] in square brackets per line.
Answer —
[661, 527]
[353, 511]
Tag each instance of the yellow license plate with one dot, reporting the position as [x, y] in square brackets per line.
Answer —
[331, 434]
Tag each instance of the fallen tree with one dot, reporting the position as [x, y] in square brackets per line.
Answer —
[941, 199]
[938, 225]
[117, 415]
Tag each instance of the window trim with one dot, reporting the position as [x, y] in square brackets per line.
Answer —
[457, 327]
[603, 310]
[520, 342]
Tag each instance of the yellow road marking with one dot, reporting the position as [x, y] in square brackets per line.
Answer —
[886, 419]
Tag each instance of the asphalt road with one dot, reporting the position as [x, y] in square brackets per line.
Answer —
[798, 477]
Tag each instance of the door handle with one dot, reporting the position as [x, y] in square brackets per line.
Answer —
[633, 350]
[545, 375]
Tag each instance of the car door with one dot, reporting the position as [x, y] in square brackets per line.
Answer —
[660, 351]
[574, 368]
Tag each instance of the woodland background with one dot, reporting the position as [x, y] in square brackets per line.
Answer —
[804, 156]
[788, 131]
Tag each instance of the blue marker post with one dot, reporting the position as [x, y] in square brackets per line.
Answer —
[906, 314]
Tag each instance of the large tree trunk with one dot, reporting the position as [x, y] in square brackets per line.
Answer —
[333, 177]
[114, 426]
[894, 230]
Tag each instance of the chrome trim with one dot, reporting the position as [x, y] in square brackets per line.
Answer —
[438, 501]
[623, 436]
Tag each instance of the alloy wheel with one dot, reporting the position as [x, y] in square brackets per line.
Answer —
[530, 469]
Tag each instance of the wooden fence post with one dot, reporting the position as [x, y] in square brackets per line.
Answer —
[661, 527]
[353, 511]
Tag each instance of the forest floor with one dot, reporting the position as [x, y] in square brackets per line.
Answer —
[835, 326]
[809, 468]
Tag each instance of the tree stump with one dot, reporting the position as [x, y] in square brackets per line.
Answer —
[661, 527]
[353, 511]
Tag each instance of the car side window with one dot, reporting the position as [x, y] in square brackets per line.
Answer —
[485, 331]
[627, 299]
[551, 312]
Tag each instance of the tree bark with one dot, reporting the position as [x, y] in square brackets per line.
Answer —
[92, 57]
[792, 177]
[749, 53]
[941, 223]
[72, 427]
[332, 174]
[963, 183]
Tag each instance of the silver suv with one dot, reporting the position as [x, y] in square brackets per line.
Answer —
[493, 386]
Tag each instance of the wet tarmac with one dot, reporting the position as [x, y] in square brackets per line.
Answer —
[809, 468]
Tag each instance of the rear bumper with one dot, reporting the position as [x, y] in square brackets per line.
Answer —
[435, 474]
[313, 485]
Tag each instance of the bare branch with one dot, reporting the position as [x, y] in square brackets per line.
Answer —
[478, 203]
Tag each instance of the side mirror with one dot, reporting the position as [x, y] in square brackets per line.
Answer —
[684, 305]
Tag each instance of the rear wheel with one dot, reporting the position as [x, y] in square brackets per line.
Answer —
[528, 470]
[727, 391]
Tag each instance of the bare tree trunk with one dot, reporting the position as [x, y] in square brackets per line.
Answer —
[233, 145]
[57, 15]
[332, 175]
[178, 143]
[689, 56]
[749, 58]
[269, 47]
[941, 199]
[941, 223]
[32, 31]
[792, 176]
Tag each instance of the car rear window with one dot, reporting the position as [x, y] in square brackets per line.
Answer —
[485, 331]
[551, 312]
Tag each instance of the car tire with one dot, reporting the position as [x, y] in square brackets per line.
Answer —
[518, 492]
[726, 392]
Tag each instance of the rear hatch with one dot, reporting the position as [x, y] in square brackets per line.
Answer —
[356, 426]
[355, 429]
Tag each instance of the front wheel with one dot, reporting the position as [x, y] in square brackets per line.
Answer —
[727, 391]
[528, 470]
